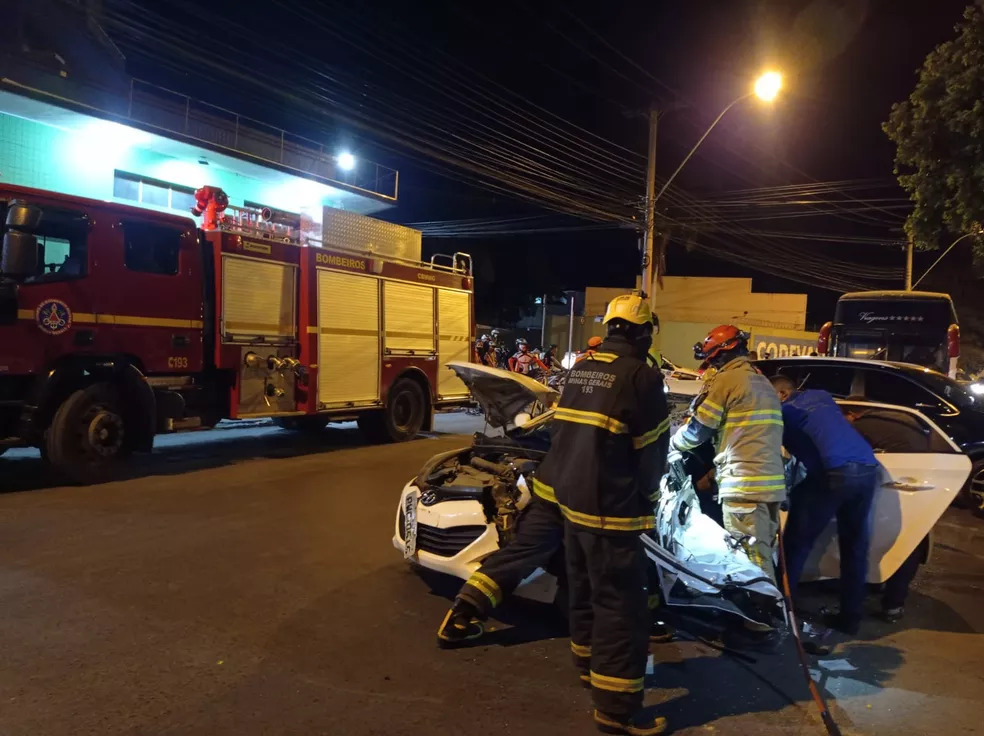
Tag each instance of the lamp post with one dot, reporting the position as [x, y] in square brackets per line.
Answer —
[766, 88]
[909, 287]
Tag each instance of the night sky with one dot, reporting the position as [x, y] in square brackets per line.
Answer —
[599, 66]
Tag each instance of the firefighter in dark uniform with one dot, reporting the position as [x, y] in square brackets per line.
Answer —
[539, 536]
[607, 455]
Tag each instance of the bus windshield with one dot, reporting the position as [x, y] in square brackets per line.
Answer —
[926, 350]
[904, 327]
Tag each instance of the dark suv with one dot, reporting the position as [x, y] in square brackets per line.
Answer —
[950, 405]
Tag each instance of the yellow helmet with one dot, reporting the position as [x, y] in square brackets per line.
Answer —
[630, 307]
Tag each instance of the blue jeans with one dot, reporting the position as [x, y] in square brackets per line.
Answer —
[846, 493]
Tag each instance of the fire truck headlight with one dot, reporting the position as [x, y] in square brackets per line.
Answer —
[346, 161]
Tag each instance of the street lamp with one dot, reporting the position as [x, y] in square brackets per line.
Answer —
[766, 88]
[768, 85]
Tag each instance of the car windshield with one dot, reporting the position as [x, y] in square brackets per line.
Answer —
[942, 385]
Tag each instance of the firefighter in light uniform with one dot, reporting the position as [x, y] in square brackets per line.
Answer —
[739, 412]
[608, 453]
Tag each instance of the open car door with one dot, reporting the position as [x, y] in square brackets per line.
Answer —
[913, 492]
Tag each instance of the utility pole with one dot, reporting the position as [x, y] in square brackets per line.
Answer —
[648, 260]
[543, 326]
[908, 265]
[570, 327]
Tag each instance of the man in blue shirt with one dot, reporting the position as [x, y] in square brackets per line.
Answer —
[842, 473]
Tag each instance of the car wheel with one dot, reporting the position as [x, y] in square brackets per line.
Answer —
[975, 487]
[87, 436]
[401, 419]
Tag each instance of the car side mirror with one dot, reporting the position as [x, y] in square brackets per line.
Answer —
[20, 254]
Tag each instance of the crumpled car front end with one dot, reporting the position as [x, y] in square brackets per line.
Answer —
[702, 565]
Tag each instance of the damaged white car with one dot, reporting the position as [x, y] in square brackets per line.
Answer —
[464, 504]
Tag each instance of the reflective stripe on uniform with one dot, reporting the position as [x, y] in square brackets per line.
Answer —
[752, 417]
[755, 414]
[709, 413]
[753, 483]
[581, 650]
[591, 418]
[616, 684]
[487, 586]
[602, 357]
[609, 523]
[544, 491]
[652, 435]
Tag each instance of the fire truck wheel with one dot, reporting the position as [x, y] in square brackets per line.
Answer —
[86, 437]
[403, 417]
[307, 425]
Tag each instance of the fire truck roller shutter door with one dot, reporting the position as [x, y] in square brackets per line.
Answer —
[454, 339]
[348, 340]
[259, 298]
[409, 312]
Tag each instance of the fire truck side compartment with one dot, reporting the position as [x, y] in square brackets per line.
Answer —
[454, 322]
[348, 330]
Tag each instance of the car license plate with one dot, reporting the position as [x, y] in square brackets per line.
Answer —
[410, 525]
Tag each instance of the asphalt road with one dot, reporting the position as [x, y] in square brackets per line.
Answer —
[243, 582]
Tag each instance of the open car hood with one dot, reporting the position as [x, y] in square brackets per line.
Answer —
[502, 394]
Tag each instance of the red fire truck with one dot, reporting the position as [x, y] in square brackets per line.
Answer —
[121, 323]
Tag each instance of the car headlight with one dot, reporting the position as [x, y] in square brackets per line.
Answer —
[977, 388]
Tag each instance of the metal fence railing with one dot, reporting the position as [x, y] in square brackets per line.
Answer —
[173, 114]
[157, 107]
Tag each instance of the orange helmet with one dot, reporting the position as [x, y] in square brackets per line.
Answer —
[594, 342]
[718, 340]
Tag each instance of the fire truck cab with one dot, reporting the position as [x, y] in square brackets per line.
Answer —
[121, 323]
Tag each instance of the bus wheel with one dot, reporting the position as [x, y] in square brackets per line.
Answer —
[85, 441]
[401, 419]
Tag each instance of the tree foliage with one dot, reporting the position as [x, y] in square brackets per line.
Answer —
[939, 134]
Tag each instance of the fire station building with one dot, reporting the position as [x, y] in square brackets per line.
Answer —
[72, 121]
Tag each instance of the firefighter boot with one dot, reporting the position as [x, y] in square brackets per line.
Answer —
[637, 725]
[660, 633]
[460, 625]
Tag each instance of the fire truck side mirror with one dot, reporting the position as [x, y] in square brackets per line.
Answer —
[20, 254]
[20, 248]
[23, 216]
